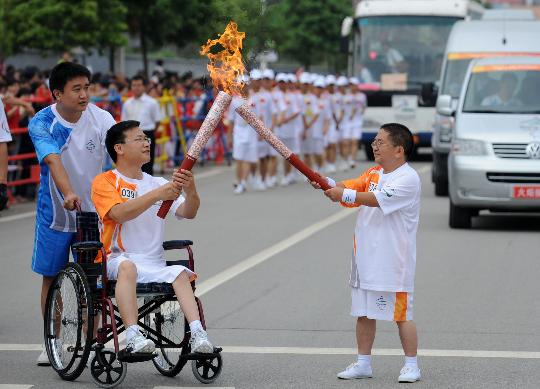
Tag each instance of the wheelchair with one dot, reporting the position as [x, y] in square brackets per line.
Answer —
[81, 318]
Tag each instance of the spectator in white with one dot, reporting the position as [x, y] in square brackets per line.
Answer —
[146, 110]
[5, 137]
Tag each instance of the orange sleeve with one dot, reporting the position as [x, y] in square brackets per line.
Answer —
[359, 184]
[104, 194]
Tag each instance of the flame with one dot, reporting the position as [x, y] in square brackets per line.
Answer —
[226, 67]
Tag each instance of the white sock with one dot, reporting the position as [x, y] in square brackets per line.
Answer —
[411, 361]
[131, 332]
[195, 326]
[364, 359]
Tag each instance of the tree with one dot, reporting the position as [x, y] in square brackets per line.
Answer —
[64, 24]
[311, 30]
[157, 22]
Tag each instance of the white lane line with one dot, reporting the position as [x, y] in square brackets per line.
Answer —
[254, 260]
[388, 352]
[17, 217]
[13, 386]
[211, 173]
[336, 351]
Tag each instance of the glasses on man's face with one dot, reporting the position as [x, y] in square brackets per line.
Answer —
[377, 143]
[140, 139]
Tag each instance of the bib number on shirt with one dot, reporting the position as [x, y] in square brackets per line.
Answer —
[127, 194]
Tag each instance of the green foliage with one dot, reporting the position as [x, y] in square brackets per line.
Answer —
[64, 24]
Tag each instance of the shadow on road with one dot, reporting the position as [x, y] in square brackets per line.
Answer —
[507, 222]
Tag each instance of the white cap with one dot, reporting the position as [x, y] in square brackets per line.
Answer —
[255, 74]
[305, 78]
[330, 79]
[292, 77]
[281, 77]
[319, 82]
[243, 78]
[268, 73]
[354, 81]
[342, 81]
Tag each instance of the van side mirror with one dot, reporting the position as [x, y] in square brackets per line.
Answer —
[445, 106]
[428, 94]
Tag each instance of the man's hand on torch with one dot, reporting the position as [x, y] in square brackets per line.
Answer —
[335, 194]
[169, 191]
[186, 180]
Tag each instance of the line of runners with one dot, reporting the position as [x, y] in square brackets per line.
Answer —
[315, 116]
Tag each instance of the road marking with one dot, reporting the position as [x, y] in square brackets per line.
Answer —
[382, 351]
[13, 386]
[243, 266]
[17, 217]
[211, 173]
[335, 351]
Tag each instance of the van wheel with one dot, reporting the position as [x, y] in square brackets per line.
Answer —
[441, 186]
[460, 217]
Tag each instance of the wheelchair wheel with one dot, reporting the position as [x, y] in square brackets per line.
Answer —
[106, 370]
[69, 322]
[207, 370]
[169, 321]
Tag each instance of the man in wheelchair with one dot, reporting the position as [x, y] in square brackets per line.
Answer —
[127, 201]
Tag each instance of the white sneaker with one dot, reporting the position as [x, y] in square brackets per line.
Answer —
[259, 185]
[356, 370]
[139, 344]
[200, 344]
[331, 168]
[344, 166]
[291, 177]
[409, 374]
[43, 359]
[239, 189]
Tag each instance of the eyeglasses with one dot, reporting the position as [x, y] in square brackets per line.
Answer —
[377, 143]
[139, 140]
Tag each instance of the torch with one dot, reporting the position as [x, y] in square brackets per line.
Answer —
[252, 119]
[225, 69]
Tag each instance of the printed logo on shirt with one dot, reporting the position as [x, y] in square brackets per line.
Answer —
[372, 186]
[90, 146]
[381, 303]
[126, 193]
[389, 192]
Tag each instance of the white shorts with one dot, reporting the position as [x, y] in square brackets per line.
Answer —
[148, 270]
[332, 137]
[5, 134]
[390, 306]
[263, 149]
[356, 133]
[346, 131]
[245, 152]
[313, 146]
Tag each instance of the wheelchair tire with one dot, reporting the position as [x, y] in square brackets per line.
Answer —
[70, 297]
[207, 370]
[106, 370]
[169, 321]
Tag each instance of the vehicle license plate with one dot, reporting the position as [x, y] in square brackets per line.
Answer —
[527, 192]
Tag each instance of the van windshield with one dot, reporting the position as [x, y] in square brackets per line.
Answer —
[503, 89]
[454, 74]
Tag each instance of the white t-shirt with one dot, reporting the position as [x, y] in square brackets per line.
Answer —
[385, 236]
[141, 237]
[144, 109]
[291, 106]
[242, 131]
[5, 134]
[325, 114]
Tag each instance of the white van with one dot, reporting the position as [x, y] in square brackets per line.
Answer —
[467, 41]
[494, 162]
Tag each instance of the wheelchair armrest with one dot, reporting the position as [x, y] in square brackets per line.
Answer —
[86, 246]
[176, 244]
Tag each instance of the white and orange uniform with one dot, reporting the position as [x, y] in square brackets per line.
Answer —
[138, 240]
[384, 255]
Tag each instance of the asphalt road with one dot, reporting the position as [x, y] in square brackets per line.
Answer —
[273, 270]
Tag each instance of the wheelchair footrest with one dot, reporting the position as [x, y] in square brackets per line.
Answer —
[128, 357]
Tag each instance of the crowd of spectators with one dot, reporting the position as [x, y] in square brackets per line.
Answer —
[107, 90]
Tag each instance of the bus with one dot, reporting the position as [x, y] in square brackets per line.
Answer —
[396, 50]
